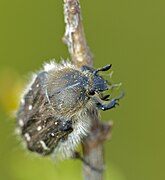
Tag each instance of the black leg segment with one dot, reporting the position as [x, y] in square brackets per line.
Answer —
[113, 102]
[105, 68]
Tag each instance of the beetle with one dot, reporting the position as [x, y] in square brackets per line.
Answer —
[55, 111]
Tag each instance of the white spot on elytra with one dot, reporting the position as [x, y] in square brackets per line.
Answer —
[43, 145]
[27, 136]
[37, 85]
[56, 123]
[39, 128]
[30, 107]
[52, 134]
[20, 122]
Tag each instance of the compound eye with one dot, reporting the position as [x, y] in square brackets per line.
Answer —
[91, 92]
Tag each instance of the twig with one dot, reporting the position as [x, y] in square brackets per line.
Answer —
[74, 34]
[75, 40]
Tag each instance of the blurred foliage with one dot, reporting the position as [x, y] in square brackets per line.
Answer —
[130, 35]
[11, 86]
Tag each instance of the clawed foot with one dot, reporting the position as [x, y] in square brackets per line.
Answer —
[113, 103]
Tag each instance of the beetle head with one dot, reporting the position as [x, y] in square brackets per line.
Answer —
[97, 83]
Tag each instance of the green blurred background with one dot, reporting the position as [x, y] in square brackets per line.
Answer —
[129, 34]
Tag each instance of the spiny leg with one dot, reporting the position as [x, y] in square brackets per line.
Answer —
[104, 98]
[105, 68]
[66, 126]
[111, 104]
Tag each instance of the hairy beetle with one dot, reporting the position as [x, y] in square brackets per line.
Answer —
[55, 111]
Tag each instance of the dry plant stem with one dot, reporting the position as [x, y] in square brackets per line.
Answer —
[75, 40]
[74, 34]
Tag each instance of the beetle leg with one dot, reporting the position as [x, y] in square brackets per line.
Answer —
[111, 104]
[104, 98]
[105, 107]
[105, 68]
[66, 126]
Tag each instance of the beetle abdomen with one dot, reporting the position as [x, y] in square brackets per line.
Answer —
[51, 116]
